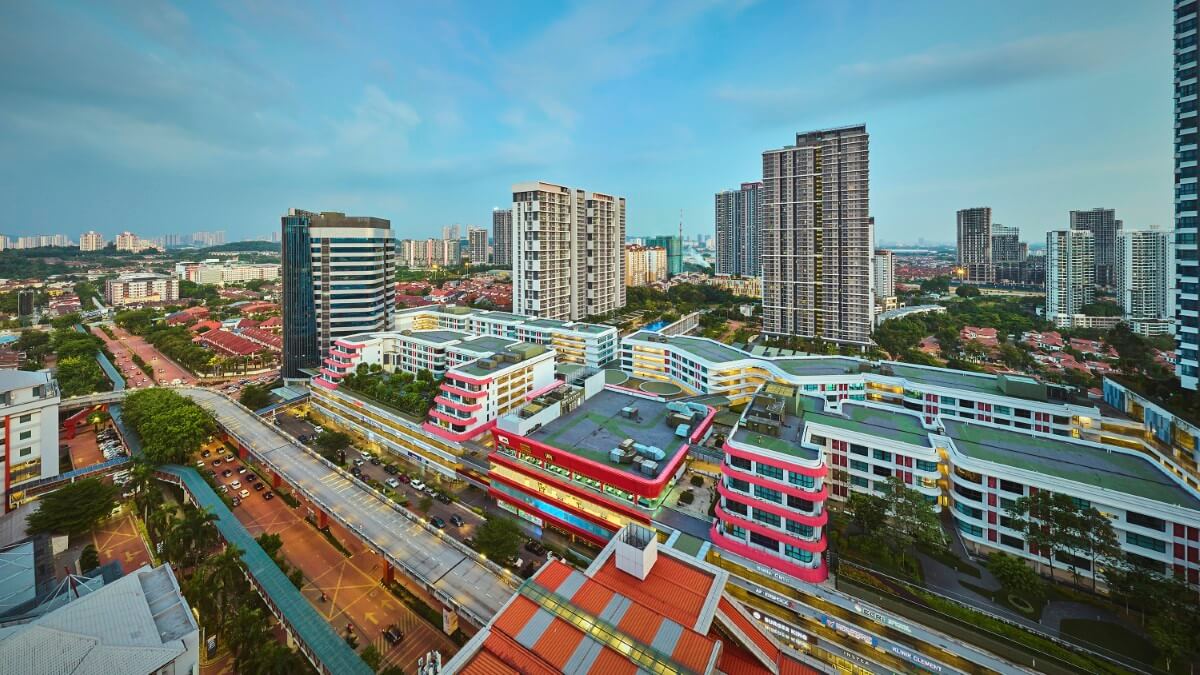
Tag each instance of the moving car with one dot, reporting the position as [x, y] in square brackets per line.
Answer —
[393, 634]
[457, 520]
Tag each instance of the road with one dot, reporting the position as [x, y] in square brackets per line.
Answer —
[472, 585]
[126, 345]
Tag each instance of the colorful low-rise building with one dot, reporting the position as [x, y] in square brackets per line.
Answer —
[639, 608]
[586, 460]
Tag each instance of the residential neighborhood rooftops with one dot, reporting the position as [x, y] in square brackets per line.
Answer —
[1062, 458]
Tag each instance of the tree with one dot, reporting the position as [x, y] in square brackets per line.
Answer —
[913, 520]
[1097, 540]
[331, 441]
[1045, 520]
[498, 538]
[74, 509]
[967, 291]
[271, 543]
[170, 426]
[255, 396]
[244, 633]
[1015, 576]
[89, 558]
[424, 505]
[868, 512]
[372, 657]
[146, 495]
[190, 537]
[273, 658]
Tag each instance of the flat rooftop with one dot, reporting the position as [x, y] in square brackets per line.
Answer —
[597, 426]
[1064, 459]
[486, 344]
[890, 424]
[791, 430]
[817, 365]
[708, 350]
[959, 379]
[438, 336]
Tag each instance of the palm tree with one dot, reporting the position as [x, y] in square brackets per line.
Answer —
[191, 537]
[273, 658]
[226, 581]
[146, 494]
[160, 520]
[244, 633]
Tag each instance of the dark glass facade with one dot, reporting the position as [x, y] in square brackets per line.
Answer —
[300, 349]
[1187, 269]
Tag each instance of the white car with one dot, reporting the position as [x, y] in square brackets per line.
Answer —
[236, 484]
[417, 485]
[244, 494]
[364, 454]
[392, 483]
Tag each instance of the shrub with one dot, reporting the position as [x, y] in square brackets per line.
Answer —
[686, 497]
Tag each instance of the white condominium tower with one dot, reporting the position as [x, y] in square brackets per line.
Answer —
[477, 245]
[816, 239]
[1070, 274]
[568, 251]
[739, 220]
[502, 237]
[884, 274]
[1145, 279]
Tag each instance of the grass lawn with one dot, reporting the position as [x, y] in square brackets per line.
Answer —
[1111, 636]
[1001, 596]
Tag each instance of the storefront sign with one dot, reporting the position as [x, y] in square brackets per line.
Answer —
[881, 618]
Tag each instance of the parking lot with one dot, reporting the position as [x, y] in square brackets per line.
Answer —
[118, 539]
[351, 585]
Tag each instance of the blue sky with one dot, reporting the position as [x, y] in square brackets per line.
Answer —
[161, 117]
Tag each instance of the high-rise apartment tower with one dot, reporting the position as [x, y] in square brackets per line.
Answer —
[975, 245]
[816, 241]
[739, 224]
[1070, 274]
[1146, 280]
[1187, 267]
[502, 237]
[568, 251]
[1104, 226]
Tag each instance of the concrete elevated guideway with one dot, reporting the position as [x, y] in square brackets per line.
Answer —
[476, 590]
[448, 570]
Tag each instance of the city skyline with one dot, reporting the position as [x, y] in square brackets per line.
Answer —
[387, 135]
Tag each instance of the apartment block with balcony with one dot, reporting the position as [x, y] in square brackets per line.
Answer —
[29, 411]
[586, 460]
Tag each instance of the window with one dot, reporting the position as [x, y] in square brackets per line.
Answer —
[923, 465]
[801, 480]
[967, 528]
[764, 541]
[25, 452]
[1012, 542]
[738, 462]
[736, 484]
[1146, 563]
[767, 517]
[800, 504]
[859, 466]
[860, 482]
[1142, 541]
[882, 455]
[735, 531]
[800, 529]
[816, 440]
[25, 435]
[1148, 522]
[857, 449]
[735, 507]
[1009, 486]
[881, 471]
[768, 494]
[1081, 503]
[797, 553]
[973, 495]
[25, 418]
[769, 471]
[968, 510]
[969, 476]
[1072, 560]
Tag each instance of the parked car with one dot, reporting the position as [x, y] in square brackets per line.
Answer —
[457, 520]
[437, 522]
[364, 454]
[374, 460]
[244, 493]
[206, 453]
[390, 469]
[236, 501]
[241, 469]
[535, 547]
[200, 463]
[227, 473]
[443, 498]
[236, 484]
[392, 483]
[269, 496]
[417, 485]
[404, 478]
[260, 486]
[223, 488]
[393, 634]
[216, 462]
